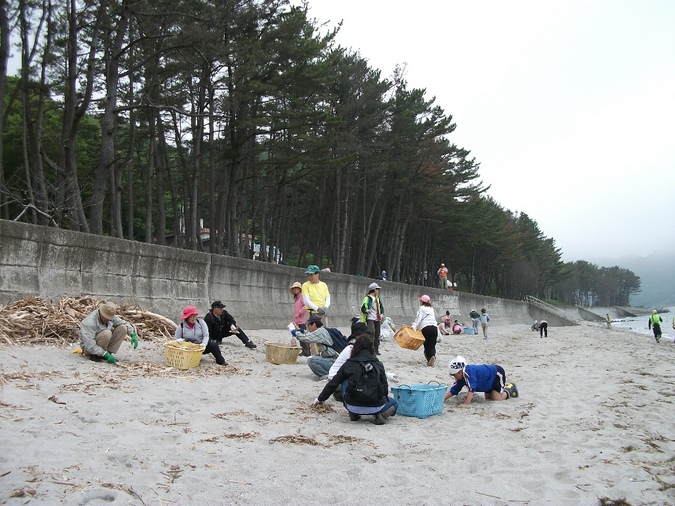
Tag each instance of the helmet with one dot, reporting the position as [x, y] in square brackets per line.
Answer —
[456, 364]
[425, 298]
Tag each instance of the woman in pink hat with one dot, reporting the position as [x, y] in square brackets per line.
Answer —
[426, 322]
[195, 330]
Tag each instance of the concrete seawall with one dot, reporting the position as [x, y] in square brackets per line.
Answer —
[53, 263]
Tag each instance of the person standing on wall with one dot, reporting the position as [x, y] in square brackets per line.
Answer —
[372, 313]
[315, 294]
[443, 277]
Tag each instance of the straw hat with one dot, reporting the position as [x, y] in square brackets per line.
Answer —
[295, 285]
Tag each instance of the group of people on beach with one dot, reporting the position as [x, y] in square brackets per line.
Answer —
[349, 364]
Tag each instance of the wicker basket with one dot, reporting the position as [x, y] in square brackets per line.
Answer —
[408, 338]
[281, 353]
[420, 401]
[182, 355]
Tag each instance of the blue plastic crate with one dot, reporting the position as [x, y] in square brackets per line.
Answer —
[421, 401]
[468, 330]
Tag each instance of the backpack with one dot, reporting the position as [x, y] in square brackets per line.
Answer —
[366, 386]
[340, 342]
[474, 314]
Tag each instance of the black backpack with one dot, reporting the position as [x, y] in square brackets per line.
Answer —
[366, 385]
[339, 340]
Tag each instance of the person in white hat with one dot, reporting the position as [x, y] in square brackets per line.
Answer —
[487, 378]
[102, 333]
[372, 313]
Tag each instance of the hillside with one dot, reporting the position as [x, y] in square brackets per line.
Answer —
[657, 277]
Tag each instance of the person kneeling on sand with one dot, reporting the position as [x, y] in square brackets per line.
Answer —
[318, 334]
[195, 330]
[102, 333]
[364, 384]
[488, 378]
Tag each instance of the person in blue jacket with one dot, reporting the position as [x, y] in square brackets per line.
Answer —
[487, 378]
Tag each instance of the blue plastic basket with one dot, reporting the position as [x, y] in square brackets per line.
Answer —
[421, 401]
[468, 330]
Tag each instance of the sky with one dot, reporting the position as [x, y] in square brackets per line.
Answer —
[568, 106]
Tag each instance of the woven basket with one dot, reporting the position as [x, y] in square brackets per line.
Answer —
[408, 338]
[182, 355]
[280, 353]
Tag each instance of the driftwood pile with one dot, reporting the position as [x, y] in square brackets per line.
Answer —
[34, 320]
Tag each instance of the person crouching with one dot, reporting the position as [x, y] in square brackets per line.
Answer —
[364, 384]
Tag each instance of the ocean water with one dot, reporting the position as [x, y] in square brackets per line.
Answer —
[640, 324]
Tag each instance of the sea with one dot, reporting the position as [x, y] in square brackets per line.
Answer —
[640, 324]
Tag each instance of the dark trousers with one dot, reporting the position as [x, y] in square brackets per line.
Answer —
[543, 329]
[430, 334]
[375, 327]
[241, 335]
[214, 349]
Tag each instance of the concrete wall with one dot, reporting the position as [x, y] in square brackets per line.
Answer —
[53, 263]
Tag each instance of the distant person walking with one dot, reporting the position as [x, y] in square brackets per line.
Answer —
[655, 322]
[426, 322]
[372, 313]
[484, 319]
[608, 319]
[475, 319]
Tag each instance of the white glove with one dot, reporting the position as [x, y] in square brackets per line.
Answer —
[233, 328]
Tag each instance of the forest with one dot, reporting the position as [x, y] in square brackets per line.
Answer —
[240, 127]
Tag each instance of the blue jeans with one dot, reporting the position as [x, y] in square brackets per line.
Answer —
[320, 365]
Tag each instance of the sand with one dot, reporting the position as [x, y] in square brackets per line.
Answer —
[594, 422]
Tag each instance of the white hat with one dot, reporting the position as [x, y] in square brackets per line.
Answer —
[456, 364]
[373, 286]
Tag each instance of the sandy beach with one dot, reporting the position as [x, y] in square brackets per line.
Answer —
[593, 424]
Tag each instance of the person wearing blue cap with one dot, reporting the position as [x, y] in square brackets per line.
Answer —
[315, 294]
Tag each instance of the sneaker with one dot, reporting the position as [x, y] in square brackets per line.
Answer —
[379, 419]
[221, 362]
[354, 417]
[511, 390]
[431, 361]
[250, 344]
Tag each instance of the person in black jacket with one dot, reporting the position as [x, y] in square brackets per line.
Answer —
[221, 324]
[364, 384]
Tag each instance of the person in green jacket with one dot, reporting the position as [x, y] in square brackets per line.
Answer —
[372, 313]
[655, 322]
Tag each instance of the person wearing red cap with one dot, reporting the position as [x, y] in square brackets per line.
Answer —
[195, 330]
[426, 322]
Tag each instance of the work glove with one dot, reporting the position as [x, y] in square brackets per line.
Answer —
[108, 356]
[233, 328]
[134, 340]
[321, 311]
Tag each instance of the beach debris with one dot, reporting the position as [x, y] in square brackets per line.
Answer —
[298, 439]
[34, 320]
[606, 501]
[55, 400]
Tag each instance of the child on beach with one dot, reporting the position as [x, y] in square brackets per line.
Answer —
[426, 322]
[487, 378]
[484, 319]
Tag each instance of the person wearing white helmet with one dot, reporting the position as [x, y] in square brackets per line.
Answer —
[372, 313]
[426, 322]
[487, 378]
